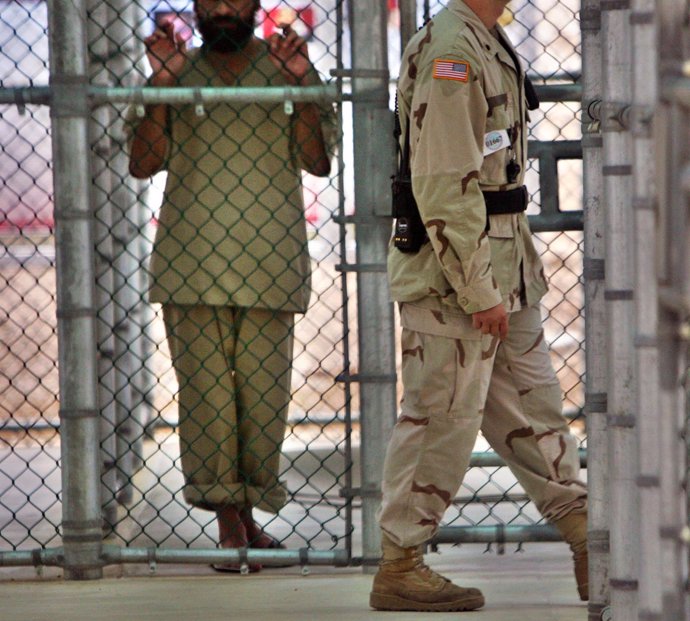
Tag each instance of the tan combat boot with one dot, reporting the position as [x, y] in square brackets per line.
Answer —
[573, 528]
[404, 582]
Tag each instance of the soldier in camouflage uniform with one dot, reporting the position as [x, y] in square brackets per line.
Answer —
[230, 263]
[473, 350]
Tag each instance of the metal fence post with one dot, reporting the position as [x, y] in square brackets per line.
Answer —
[373, 164]
[672, 365]
[674, 273]
[100, 48]
[617, 169]
[595, 314]
[79, 427]
[130, 407]
[645, 93]
[143, 316]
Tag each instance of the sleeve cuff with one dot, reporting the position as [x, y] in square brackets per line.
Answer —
[480, 296]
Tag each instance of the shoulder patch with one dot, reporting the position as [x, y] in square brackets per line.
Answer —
[447, 69]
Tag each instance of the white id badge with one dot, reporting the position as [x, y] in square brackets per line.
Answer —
[495, 141]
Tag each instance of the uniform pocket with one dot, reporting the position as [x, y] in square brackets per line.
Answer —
[432, 316]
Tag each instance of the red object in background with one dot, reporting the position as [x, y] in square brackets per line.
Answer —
[311, 204]
[300, 18]
[28, 215]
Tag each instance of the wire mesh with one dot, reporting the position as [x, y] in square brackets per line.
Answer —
[147, 478]
[142, 480]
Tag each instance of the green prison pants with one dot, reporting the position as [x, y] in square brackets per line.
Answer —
[233, 366]
[456, 382]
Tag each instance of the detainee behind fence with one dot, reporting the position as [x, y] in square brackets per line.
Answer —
[230, 263]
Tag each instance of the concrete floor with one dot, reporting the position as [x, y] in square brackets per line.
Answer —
[535, 585]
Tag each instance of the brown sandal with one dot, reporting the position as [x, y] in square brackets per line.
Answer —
[233, 535]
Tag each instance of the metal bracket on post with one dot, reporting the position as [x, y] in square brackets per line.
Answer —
[139, 105]
[198, 103]
[19, 101]
[615, 116]
[609, 116]
[591, 122]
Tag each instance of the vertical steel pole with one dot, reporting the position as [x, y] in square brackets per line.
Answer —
[344, 285]
[672, 366]
[100, 49]
[373, 164]
[645, 95]
[617, 168]
[131, 410]
[595, 315]
[144, 316]
[79, 420]
[673, 287]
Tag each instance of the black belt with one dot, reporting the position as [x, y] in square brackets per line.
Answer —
[508, 201]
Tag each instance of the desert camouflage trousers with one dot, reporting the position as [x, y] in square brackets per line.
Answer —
[233, 366]
[456, 382]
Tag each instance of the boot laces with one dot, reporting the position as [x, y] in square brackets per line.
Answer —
[426, 571]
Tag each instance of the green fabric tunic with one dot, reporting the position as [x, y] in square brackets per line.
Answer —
[231, 229]
[230, 265]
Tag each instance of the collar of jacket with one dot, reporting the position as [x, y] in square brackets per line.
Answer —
[489, 44]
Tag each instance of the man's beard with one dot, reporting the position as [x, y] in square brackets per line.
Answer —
[226, 34]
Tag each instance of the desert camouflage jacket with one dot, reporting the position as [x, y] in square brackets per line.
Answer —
[463, 98]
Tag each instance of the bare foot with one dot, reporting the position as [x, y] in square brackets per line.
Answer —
[256, 537]
[232, 534]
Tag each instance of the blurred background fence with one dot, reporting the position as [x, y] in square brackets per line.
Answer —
[141, 481]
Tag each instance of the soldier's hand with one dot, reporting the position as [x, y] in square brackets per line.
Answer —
[167, 52]
[492, 321]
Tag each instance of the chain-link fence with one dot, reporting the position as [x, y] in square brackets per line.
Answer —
[157, 485]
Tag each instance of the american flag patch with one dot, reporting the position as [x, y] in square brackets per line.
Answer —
[451, 70]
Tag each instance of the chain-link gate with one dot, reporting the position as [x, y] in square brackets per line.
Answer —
[142, 488]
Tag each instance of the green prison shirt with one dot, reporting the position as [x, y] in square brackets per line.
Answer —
[231, 229]
[459, 90]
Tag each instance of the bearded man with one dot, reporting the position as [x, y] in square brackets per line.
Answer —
[230, 263]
